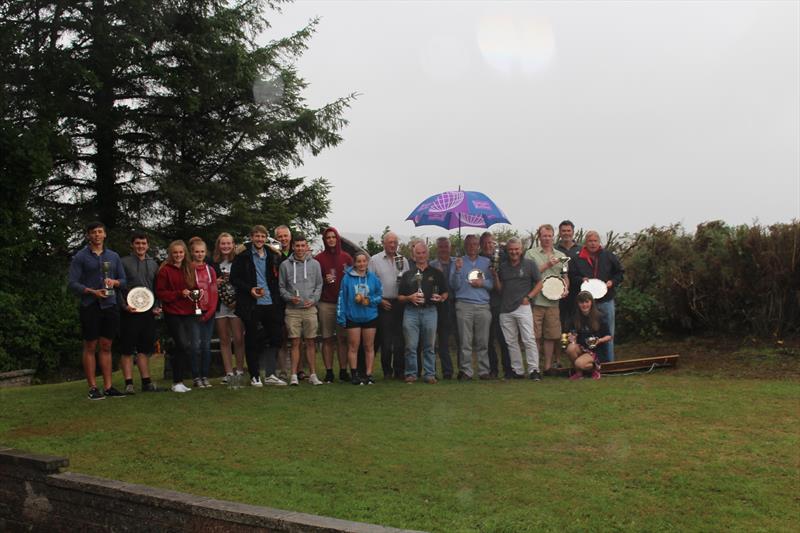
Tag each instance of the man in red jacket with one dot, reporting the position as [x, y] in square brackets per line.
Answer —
[333, 260]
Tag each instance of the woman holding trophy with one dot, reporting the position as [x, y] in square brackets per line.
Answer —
[357, 311]
[204, 325]
[229, 326]
[589, 338]
[176, 284]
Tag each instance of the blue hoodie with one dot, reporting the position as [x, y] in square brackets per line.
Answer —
[347, 308]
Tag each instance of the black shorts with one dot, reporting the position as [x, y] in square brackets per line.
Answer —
[137, 333]
[364, 325]
[97, 322]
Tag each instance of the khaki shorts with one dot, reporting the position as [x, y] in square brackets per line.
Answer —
[301, 323]
[547, 320]
[327, 320]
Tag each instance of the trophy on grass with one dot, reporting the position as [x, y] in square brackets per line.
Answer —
[194, 295]
[106, 272]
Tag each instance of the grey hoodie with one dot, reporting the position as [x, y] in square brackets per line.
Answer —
[300, 277]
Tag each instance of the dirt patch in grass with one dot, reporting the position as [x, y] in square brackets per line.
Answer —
[723, 356]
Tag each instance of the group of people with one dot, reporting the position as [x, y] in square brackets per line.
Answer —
[270, 300]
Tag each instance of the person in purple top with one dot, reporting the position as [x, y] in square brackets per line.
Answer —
[96, 274]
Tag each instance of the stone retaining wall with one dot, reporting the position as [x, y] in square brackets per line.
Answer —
[35, 495]
[17, 378]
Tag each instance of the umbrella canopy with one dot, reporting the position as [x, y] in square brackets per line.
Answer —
[456, 209]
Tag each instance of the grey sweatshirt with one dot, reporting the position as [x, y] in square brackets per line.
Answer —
[300, 277]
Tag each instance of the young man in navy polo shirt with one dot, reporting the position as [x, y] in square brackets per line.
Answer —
[99, 311]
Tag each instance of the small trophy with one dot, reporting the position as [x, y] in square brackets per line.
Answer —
[591, 342]
[564, 266]
[331, 277]
[564, 341]
[106, 273]
[398, 264]
[194, 295]
[418, 280]
[496, 257]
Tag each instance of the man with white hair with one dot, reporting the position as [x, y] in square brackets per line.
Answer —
[421, 289]
[389, 266]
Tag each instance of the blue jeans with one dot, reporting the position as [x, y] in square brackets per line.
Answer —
[416, 320]
[201, 347]
[608, 309]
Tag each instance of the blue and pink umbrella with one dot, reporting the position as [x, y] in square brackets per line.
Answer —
[457, 209]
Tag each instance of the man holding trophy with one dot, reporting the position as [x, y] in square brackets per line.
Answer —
[95, 274]
[138, 318]
[552, 266]
[421, 289]
[388, 265]
[471, 280]
[258, 304]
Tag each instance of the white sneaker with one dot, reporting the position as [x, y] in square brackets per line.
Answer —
[274, 380]
[256, 382]
[314, 380]
[180, 387]
[206, 383]
[198, 383]
[294, 382]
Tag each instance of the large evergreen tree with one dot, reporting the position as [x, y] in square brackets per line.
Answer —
[154, 100]
[140, 113]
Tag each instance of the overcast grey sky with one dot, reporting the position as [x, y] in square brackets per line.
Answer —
[617, 115]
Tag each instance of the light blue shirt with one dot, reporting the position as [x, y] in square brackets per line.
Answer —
[463, 290]
[260, 263]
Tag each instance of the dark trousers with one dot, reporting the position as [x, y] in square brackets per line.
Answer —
[390, 330]
[566, 309]
[263, 332]
[180, 328]
[496, 334]
[446, 325]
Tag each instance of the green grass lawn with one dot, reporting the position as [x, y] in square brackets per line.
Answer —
[665, 451]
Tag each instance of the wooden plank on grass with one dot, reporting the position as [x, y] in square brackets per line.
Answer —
[629, 365]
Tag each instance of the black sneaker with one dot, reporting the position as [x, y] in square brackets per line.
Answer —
[369, 380]
[462, 376]
[329, 376]
[344, 377]
[535, 376]
[113, 393]
[517, 376]
[354, 379]
[301, 375]
[95, 394]
[151, 387]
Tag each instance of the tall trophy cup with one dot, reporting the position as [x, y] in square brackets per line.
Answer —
[194, 295]
[398, 264]
[106, 273]
[496, 258]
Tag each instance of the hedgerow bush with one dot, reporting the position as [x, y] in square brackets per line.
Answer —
[721, 279]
